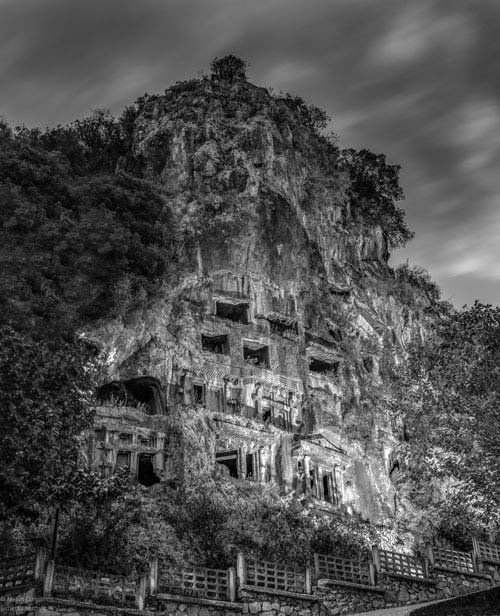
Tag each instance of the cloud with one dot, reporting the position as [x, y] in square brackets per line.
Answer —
[417, 30]
[415, 80]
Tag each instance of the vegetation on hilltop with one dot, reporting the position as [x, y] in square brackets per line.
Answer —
[80, 239]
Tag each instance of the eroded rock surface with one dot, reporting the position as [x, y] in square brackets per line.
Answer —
[268, 340]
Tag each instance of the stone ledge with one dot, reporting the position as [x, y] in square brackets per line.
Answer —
[56, 601]
[280, 593]
[367, 587]
[485, 576]
[197, 600]
[409, 578]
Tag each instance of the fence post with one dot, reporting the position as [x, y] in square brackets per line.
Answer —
[308, 581]
[140, 593]
[476, 563]
[476, 556]
[241, 570]
[49, 579]
[231, 587]
[41, 557]
[316, 565]
[429, 552]
[373, 574]
[426, 563]
[376, 558]
[124, 589]
[153, 576]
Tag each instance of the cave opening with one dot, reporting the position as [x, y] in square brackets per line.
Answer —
[323, 367]
[256, 354]
[237, 312]
[215, 344]
[142, 391]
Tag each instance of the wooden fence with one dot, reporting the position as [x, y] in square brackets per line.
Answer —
[94, 586]
[343, 570]
[20, 573]
[397, 564]
[217, 584]
[274, 576]
[451, 560]
[486, 552]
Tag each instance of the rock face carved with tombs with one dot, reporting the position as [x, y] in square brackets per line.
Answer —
[264, 343]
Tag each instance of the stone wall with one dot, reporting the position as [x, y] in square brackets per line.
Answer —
[338, 599]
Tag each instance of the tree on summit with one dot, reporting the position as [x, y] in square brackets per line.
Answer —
[228, 68]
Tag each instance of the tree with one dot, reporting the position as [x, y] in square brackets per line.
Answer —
[74, 249]
[228, 68]
[448, 396]
[374, 189]
[45, 406]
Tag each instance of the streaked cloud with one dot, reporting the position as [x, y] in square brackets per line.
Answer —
[417, 80]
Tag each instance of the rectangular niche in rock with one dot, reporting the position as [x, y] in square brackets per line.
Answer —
[229, 459]
[256, 353]
[234, 311]
[321, 366]
[368, 364]
[123, 459]
[198, 394]
[218, 344]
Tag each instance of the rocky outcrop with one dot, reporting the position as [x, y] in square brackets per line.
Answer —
[280, 310]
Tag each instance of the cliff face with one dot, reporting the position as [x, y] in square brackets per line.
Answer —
[271, 333]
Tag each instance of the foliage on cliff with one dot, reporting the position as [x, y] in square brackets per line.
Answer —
[83, 235]
[75, 247]
[45, 405]
[207, 523]
[449, 398]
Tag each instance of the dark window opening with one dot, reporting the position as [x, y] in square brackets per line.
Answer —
[215, 344]
[145, 441]
[368, 364]
[125, 439]
[229, 459]
[145, 471]
[123, 459]
[266, 415]
[278, 327]
[323, 340]
[323, 367]
[233, 312]
[312, 479]
[326, 488]
[258, 355]
[199, 394]
[250, 469]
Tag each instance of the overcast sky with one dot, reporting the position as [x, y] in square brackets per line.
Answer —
[417, 80]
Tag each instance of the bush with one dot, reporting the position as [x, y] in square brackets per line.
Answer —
[228, 68]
